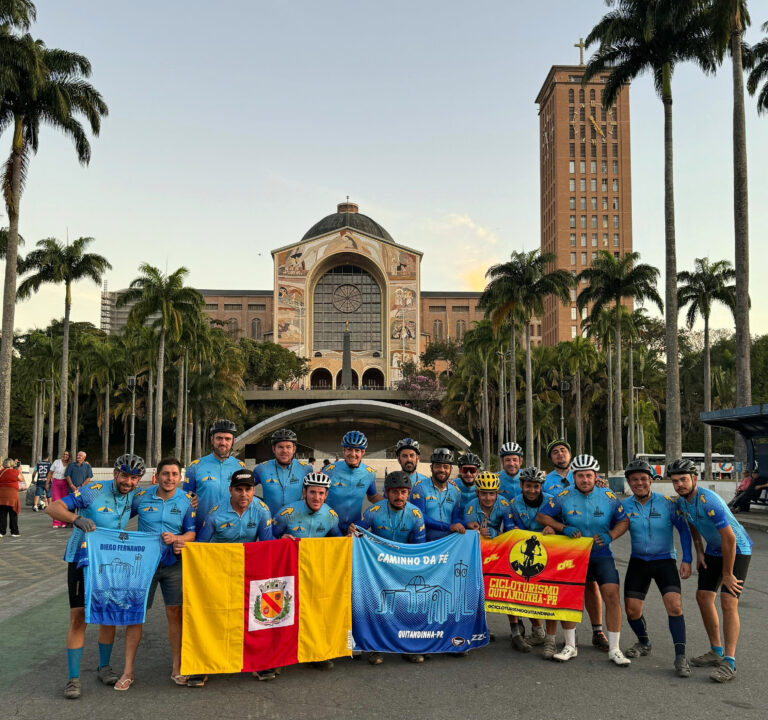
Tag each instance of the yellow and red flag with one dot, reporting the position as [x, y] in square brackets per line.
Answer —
[534, 575]
[254, 606]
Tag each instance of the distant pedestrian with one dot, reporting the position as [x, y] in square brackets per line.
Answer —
[10, 477]
[42, 483]
[59, 484]
[78, 473]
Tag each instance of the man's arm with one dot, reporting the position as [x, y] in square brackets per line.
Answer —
[373, 495]
[68, 478]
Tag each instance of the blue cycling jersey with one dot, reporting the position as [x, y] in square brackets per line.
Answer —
[299, 521]
[709, 514]
[224, 525]
[650, 528]
[441, 508]
[349, 486]
[403, 526]
[499, 520]
[509, 486]
[595, 513]
[100, 502]
[468, 495]
[281, 486]
[554, 483]
[524, 514]
[209, 478]
[417, 477]
[156, 515]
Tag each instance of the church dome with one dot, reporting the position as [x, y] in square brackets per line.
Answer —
[347, 216]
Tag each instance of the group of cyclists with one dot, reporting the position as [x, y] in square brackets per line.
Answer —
[216, 502]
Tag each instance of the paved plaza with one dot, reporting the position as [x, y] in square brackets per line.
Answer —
[492, 682]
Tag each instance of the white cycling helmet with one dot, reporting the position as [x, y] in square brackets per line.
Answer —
[510, 448]
[318, 479]
[585, 462]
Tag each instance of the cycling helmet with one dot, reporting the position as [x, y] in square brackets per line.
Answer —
[317, 478]
[407, 444]
[683, 466]
[487, 481]
[585, 462]
[531, 474]
[354, 439]
[223, 426]
[510, 448]
[469, 459]
[397, 479]
[283, 435]
[638, 466]
[131, 464]
[555, 443]
[441, 455]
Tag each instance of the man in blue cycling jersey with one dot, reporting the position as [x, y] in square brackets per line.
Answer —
[394, 518]
[408, 453]
[723, 564]
[590, 511]
[281, 478]
[208, 477]
[489, 514]
[96, 504]
[309, 517]
[351, 480]
[652, 516]
[439, 498]
[511, 458]
[469, 466]
[166, 510]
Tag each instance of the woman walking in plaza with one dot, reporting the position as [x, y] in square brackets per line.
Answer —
[10, 477]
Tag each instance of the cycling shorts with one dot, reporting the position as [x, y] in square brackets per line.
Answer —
[169, 579]
[75, 585]
[641, 572]
[711, 577]
[602, 570]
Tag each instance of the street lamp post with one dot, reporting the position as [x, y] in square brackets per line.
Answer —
[132, 388]
[565, 386]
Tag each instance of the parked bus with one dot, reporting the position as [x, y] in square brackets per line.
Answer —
[723, 467]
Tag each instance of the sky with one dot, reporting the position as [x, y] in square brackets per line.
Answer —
[234, 126]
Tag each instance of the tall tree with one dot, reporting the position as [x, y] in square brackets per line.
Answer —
[759, 72]
[39, 86]
[524, 282]
[654, 36]
[482, 342]
[56, 262]
[155, 293]
[611, 281]
[709, 283]
[579, 357]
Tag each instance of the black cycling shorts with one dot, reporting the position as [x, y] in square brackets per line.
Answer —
[711, 577]
[640, 573]
[76, 586]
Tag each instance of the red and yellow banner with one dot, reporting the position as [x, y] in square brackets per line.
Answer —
[254, 606]
[534, 575]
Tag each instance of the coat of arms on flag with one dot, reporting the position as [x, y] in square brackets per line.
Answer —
[271, 603]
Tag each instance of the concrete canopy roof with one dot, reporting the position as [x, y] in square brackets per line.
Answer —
[352, 410]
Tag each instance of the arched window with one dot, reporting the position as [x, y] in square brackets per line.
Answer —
[592, 95]
[437, 330]
[461, 328]
[581, 95]
[570, 95]
[256, 329]
[232, 329]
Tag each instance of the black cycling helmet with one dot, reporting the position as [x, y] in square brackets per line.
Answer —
[441, 455]
[469, 459]
[683, 466]
[223, 426]
[283, 435]
[130, 464]
[397, 479]
[531, 474]
[638, 466]
[407, 444]
[555, 443]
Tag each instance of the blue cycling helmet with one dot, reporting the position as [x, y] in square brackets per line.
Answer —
[354, 439]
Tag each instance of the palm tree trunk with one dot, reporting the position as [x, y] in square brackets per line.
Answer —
[673, 431]
[35, 422]
[741, 227]
[631, 404]
[528, 396]
[179, 410]
[579, 428]
[149, 411]
[486, 419]
[105, 429]
[158, 440]
[64, 380]
[12, 202]
[609, 405]
[707, 403]
[75, 409]
[501, 421]
[617, 424]
[50, 418]
[512, 385]
[198, 439]
[538, 448]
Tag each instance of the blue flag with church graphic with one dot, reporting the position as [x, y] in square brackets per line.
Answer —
[119, 567]
[422, 598]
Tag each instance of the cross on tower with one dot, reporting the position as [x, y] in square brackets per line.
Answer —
[581, 47]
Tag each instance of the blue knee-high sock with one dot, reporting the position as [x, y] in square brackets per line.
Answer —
[73, 661]
[677, 630]
[640, 629]
[105, 653]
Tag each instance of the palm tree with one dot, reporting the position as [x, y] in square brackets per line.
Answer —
[653, 36]
[700, 289]
[523, 282]
[611, 281]
[155, 292]
[55, 262]
[41, 87]
[601, 329]
[105, 366]
[579, 357]
[759, 72]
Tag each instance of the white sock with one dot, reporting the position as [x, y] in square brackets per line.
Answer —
[613, 640]
[552, 636]
[570, 637]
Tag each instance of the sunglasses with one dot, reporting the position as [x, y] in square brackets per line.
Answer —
[471, 469]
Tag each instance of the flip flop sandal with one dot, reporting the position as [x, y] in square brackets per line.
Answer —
[180, 679]
[125, 683]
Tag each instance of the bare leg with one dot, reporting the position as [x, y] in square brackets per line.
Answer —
[706, 601]
[610, 593]
[173, 613]
[634, 607]
[76, 630]
[132, 640]
[731, 622]
[594, 603]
